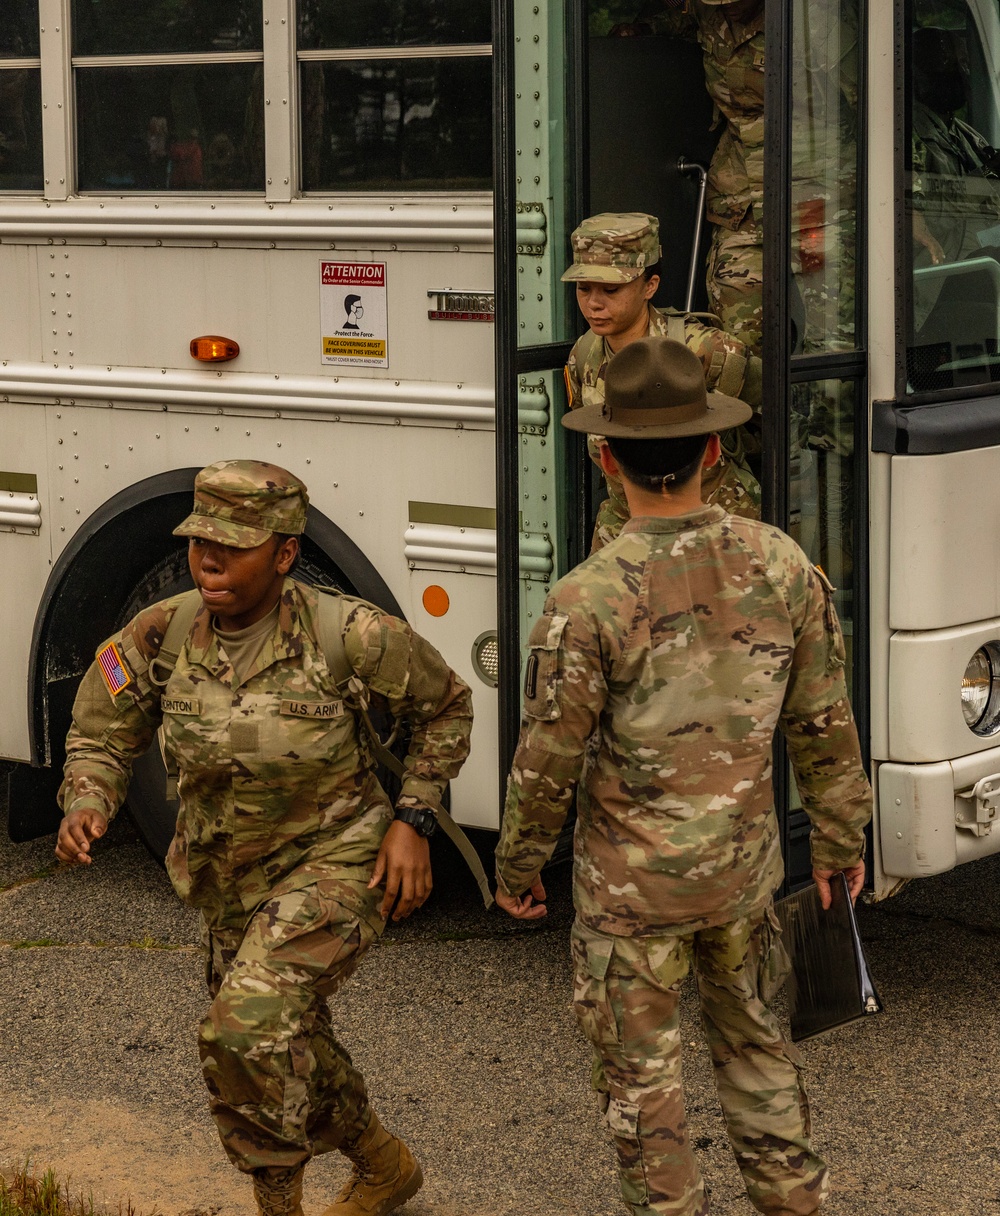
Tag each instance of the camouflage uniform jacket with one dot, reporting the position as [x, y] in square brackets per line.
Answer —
[272, 782]
[734, 77]
[656, 678]
[729, 367]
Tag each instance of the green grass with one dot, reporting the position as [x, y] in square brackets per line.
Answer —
[24, 1193]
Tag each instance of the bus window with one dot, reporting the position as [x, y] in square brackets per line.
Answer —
[169, 96]
[20, 98]
[952, 200]
[824, 117]
[395, 95]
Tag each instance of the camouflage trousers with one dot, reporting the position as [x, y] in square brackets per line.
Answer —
[626, 998]
[281, 1088]
[735, 279]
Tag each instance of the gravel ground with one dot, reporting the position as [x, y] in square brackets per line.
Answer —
[461, 1022]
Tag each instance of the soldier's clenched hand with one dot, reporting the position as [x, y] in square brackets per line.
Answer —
[76, 832]
[404, 862]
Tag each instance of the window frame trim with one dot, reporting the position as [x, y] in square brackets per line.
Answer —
[167, 59]
[450, 50]
[58, 109]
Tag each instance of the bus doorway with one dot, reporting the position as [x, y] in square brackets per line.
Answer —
[647, 109]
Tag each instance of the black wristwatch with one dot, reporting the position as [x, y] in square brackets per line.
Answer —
[419, 818]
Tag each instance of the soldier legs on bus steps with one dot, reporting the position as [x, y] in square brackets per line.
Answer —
[627, 1000]
[735, 280]
[282, 1089]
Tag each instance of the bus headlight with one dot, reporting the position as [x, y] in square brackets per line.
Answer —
[980, 694]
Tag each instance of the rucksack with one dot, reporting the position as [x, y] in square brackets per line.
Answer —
[354, 691]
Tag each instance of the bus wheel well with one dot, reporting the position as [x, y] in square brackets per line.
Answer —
[117, 563]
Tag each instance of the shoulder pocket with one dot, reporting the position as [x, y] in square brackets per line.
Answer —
[543, 671]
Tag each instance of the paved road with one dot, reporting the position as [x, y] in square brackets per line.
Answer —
[461, 1021]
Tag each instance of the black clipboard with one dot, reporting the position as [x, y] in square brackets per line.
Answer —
[829, 984]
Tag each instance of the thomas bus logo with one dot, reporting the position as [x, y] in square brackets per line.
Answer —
[353, 314]
[451, 305]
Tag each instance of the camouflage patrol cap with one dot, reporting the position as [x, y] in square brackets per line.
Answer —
[244, 502]
[614, 247]
[655, 389]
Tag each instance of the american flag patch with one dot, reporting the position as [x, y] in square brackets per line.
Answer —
[116, 675]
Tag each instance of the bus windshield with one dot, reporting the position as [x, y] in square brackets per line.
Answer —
[952, 198]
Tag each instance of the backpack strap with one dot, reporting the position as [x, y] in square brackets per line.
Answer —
[161, 666]
[330, 635]
[710, 319]
[675, 326]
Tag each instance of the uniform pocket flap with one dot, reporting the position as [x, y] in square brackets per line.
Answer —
[623, 1118]
[596, 948]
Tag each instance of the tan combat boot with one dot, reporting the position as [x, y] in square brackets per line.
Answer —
[278, 1191]
[385, 1175]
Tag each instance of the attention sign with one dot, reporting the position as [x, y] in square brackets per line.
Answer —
[353, 314]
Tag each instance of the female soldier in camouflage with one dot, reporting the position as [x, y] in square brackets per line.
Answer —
[285, 840]
[616, 273]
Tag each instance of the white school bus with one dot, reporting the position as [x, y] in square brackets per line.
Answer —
[331, 237]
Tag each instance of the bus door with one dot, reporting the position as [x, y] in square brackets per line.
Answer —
[650, 117]
[815, 416]
[541, 509]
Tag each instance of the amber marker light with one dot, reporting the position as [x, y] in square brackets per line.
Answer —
[210, 348]
[436, 600]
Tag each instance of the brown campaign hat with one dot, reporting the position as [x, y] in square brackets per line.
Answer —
[242, 503]
[655, 389]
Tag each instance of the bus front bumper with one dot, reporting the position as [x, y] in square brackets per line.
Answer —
[933, 817]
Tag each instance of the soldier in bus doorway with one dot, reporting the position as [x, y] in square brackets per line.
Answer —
[285, 841]
[660, 720]
[731, 36]
[616, 261]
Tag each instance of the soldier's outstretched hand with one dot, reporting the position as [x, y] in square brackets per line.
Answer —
[855, 876]
[404, 864]
[76, 832]
[529, 906]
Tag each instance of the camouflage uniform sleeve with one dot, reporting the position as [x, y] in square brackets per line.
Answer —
[729, 365]
[419, 685]
[564, 693]
[818, 726]
[108, 731]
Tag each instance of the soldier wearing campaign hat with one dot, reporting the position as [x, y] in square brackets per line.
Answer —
[656, 677]
[616, 261]
[285, 840]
